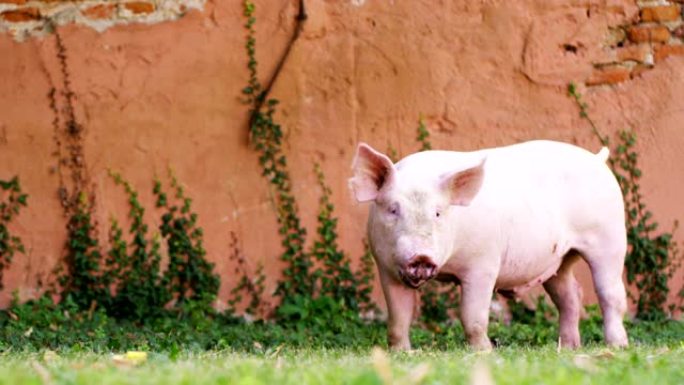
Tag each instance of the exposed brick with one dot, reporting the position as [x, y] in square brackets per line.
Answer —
[640, 69]
[616, 36]
[661, 13]
[33, 17]
[21, 15]
[641, 34]
[139, 7]
[668, 50]
[100, 11]
[679, 32]
[608, 75]
[637, 53]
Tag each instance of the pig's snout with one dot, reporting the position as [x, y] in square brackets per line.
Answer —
[418, 270]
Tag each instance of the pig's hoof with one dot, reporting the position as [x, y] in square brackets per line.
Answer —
[482, 350]
[621, 344]
[482, 346]
[617, 338]
[569, 343]
[400, 347]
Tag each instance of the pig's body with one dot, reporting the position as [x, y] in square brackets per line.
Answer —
[529, 212]
[538, 200]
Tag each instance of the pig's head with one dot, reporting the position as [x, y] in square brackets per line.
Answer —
[411, 221]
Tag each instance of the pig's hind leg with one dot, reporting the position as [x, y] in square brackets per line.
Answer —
[606, 261]
[565, 293]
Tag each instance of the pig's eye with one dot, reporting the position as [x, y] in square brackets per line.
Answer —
[438, 213]
[393, 209]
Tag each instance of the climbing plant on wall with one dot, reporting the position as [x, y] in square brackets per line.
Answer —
[319, 282]
[12, 199]
[652, 257]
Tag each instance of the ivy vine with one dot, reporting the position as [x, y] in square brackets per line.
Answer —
[652, 257]
[317, 281]
[12, 199]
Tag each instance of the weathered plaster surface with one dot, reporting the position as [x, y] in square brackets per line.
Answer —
[483, 73]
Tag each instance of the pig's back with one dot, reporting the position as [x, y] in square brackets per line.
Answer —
[573, 183]
[529, 161]
[560, 176]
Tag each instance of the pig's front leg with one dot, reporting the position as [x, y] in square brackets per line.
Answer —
[401, 301]
[476, 293]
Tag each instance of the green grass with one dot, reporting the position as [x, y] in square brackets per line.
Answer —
[42, 344]
[642, 365]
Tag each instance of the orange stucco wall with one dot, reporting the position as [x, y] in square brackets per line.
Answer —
[484, 73]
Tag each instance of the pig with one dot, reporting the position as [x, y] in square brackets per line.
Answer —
[500, 219]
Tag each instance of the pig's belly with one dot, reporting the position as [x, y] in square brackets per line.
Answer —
[519, 273]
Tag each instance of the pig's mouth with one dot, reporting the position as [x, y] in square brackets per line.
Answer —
[412, 282]
[418, 271]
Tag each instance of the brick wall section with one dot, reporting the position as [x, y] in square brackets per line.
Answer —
[24, 18]
[637, 47]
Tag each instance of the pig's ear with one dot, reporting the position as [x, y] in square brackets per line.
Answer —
[462, 186]
[372, 171]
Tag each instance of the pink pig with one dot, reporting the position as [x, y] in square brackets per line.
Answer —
[505, 219]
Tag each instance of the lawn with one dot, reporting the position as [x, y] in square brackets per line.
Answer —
[43, 346]
[643, 365]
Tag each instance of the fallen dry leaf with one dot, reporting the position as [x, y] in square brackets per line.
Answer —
[381, 364]
[605, 354]
[130, 358]
[276, 351]
[43, 373]
[585, 362]
[481, 374]
[49, 356]
[417, 375]
[662, 350]
[659, 352]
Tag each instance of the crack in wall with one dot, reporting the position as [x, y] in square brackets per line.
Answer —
[39, 18]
